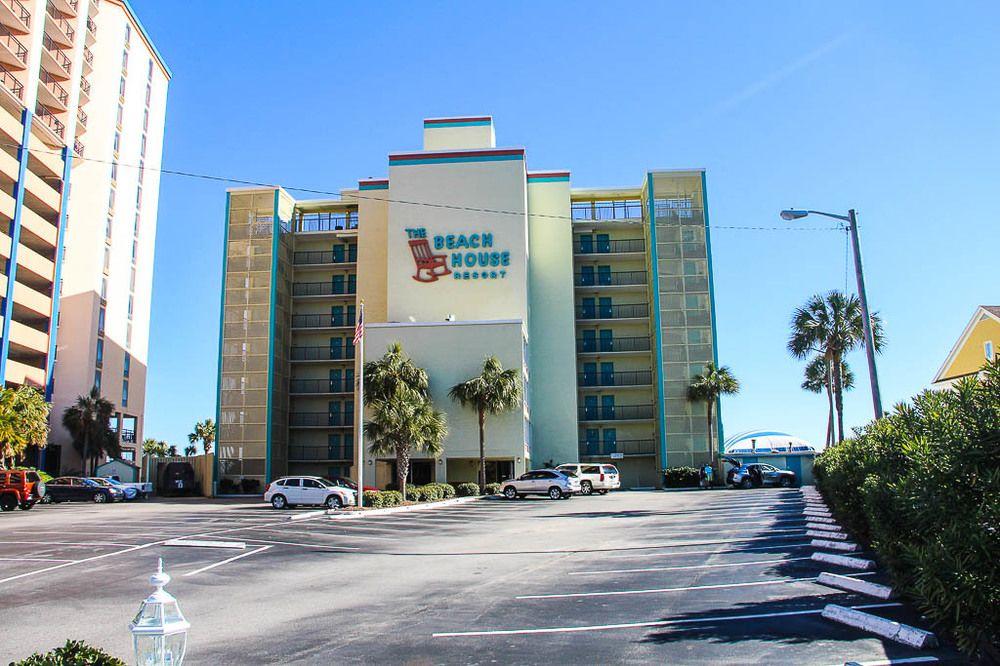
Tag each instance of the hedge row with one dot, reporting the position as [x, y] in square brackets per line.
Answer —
[73, 653]
[681, 477]
[922, 488]
[492, 489]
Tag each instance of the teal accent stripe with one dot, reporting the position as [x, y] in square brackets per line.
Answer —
[548, 179]
[377, 186]
[67, 156]
[222, 330]
[459, 123]
[275, 240]
[711, 297]
[453, 160]
[654, 261]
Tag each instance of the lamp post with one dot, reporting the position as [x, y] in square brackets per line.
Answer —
[852, 227]
[159, 630]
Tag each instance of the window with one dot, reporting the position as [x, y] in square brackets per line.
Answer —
[100, 321]
[121, 87]
[128, 454]
[291, 483]
[135, 249]
[128, 34]
[97, 379]
[125, 393]
[107, 258]
[142, 171]
[100, 352]
[107, 229]
[142, 146]
[111, 199]
[311, 483]
[149, 93]
[145, 120]
[131, 300]
[149, 69]
[118, 141]
[114, 172]
[138, 197]
[121, 115]
[104, 289]
[988, 350]
[124, 62]
[128, 364]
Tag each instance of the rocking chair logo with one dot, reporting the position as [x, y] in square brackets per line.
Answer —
[469, 256]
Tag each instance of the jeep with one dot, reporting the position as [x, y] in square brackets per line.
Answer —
[20, 488]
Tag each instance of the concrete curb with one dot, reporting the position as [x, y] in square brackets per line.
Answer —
[839, 536]
[844, 561]
[817, 513]
[865, 587]
[337, 514]
[825, 527]
[307, 514]
[821, 519]
[845, 546]
[894, 631]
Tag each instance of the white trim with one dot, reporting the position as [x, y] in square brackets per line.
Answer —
[416, 324]
[976, 318]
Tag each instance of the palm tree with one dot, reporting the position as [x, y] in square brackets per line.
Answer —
[152, 448]
[88, 424]
[818, 379]
[494, 391]
[708, 387]
[832, 326]
[384, 376]
[172, 450]
[204, 431]
[190, 450]
[24, 422]
[405, 422]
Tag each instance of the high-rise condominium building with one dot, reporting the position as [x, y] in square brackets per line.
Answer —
[83, 92]
[601, 297]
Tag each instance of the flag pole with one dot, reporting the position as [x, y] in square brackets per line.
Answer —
[359, 422]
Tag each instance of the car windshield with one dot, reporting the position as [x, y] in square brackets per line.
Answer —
[90, 482]
[113, 482]
[568, 472]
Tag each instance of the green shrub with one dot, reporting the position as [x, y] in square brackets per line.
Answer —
[415, 494]
[432, 492]
[447, 490]
[391, 498]
[492, 489]
[372, 499]
[42, 474]
[381, 499]
[922, 488]
[467, 489]
[73, 653]
[681, 477]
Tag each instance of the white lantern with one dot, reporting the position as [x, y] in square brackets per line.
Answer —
[159, 630]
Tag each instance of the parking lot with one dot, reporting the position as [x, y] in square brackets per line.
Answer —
[687, 577]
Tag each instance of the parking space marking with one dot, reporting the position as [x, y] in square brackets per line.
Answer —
[651, 623]
[81, 544]
[663, 590]
[893, 662]
[226, 561]
[32, 559]
[344, 549]
[72, 562]
[690, 566]
[632, 556]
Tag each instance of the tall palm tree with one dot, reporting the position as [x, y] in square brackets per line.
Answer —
[494, 391]
[403, 423]
[153, 448]
[190, 450]
[385, 375]
[819, 378]
[831, 325]
[172, 450]
[204, 432]
[708, 387]
[88, 424]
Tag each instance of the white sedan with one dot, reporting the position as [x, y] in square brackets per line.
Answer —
[290, 491]
[552, 482]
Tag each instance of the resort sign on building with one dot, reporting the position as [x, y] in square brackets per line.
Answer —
[463, 256]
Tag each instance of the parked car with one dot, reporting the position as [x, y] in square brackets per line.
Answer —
[598, 478]
[557, 484]
[143, 489]
[755, 475]
[20, 488]
[291, 491]
[129, 492]
[344, 482]
[78, 489]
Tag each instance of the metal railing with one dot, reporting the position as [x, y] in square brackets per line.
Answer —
[345, 353]
[128, 436]
[326, 221]
[628, 344]
[609, 279]
[320, 321]
[616, 413]
[590, 246]
[56, 52]
[91, 26]
[8, 39]
[49, 119]
[622, 311]
[321, 419]
[85, 86]
[622, 378]
[82, 116]
[313, 386]
[306, 257]
[88, 56]
[628, 209]
[19, 10]
[307, 453]
[623, 446]
[78, 147]
[323, 289]
[52, 84]
[60, 22]
[11, 83]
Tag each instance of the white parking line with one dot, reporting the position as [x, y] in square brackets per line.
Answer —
[32, 559]
[661, 590]
[784, 546]
[342, 549]
[227, 561]
[892, 662]
[72, 562]
[690, 566]
[653, 623]
[68, 543]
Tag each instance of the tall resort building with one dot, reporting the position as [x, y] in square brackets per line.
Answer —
[83, 92]
[602, 297]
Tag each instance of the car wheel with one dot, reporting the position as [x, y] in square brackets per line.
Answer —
[510, 492]
[586, 488]
[8, 503]
[785, 482]
[100, 498]
[746, 483]
[555, 492]
[333, 502]
[279, 502]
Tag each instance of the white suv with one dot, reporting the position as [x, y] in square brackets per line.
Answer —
[594, 477]
[554, 483]
[291, 490]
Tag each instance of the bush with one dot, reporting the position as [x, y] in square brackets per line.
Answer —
[415, 494]
[381, 499]
[73, 653]
[922, 488]
[492, 489]
[447, 490]
[42, 474]
[681, 477]
[391, 498]
[467, 489]
[432, 492]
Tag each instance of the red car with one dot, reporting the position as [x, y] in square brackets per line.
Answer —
[20, 488]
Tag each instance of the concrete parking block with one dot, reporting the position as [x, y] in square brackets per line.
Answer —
[825, 527]
[845, 546]
[839, 536]
[894, 631]
[855, 585]
[821, 519]
[817, 513]
[844, 561]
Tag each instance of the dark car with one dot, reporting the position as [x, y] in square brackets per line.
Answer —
[78, 489]
[755, 475]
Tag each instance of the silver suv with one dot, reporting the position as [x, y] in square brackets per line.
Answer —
[552, 482]
[594, 477]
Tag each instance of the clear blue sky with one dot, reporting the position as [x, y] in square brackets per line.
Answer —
[890, 108]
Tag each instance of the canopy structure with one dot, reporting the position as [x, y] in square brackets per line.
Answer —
[767, 441]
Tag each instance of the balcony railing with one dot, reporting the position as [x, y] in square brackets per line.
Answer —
[326, 221]
[78, 147]
[623, 446]
[85, 86]
[609, 279]
[91, 26]
[623, 311]
[616, 413]
[308, 453]
[626, 210]
[595, 345]
[11, 83]
[313, 386]
[88, 56]
[128, 436]
[308, 257]
[81, 116]
[320, 321]
[20, 11]
[11, 42]
[322, 353]
[623, 378]
[55, 51]
[323, 289]
[52, 84]
[590, 246]
[60, 22]
[321, 419]
[50, 121]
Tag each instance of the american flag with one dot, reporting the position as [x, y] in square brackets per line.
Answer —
[359, 328]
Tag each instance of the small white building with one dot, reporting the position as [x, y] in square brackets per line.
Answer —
[123, 469]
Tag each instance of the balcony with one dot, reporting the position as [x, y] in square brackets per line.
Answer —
[52, 94]
[84, 90]
[628, 210]
[88, 58]
[91, 30]
[322, 353]
[70, 7]
[627, 447]
[326, 222]
[11, 83]
[612, 345]
[61, 31]
[320, 420]
[616, 413]
[15, 16]
[78, 147]
[604, 246]
[56, 62]
[623, 311]
[319, 257]
[128, 436]
[13, 54]
[81, 119]
[610, 279]
[320, 386]
[609, 379]
[321, 321]
[320, 453]
[49, 121]
[323, 289]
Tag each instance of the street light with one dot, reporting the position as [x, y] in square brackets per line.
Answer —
[159, 630]
[852, 226]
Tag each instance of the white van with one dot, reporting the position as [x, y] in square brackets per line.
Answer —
[599, 477]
